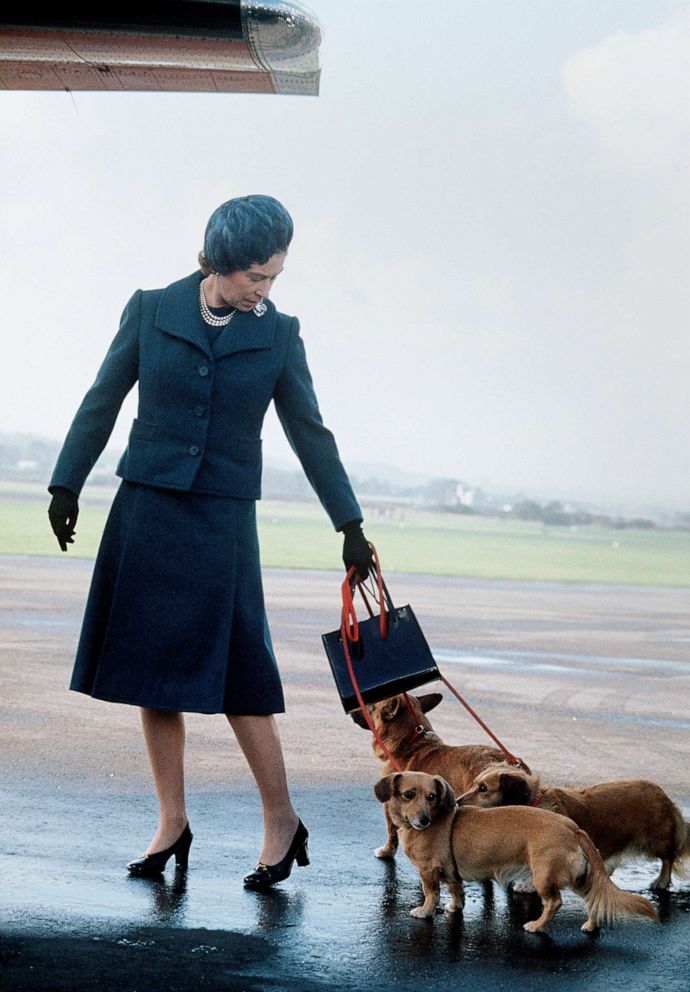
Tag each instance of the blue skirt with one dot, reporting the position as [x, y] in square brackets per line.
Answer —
[175, 617]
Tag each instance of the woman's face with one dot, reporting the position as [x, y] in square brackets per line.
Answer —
[244, 289]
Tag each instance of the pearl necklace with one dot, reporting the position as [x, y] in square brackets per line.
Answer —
[211, 318]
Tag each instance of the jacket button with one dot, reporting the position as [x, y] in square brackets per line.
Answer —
[199, 411]
[203, 370]
[194, 450]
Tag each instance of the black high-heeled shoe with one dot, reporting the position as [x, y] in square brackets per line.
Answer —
[153, 864]
[265, 875]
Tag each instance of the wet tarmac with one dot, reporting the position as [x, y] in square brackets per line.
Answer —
[73, 918]
[587, 683]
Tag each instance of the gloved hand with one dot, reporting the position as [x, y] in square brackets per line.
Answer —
[356, 549]
[62, 513]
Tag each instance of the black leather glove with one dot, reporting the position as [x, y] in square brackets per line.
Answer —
[356, 549]
[62, 513]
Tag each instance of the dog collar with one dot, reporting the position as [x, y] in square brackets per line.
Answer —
[420, 731]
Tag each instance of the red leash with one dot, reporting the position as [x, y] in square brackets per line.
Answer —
[349, 631]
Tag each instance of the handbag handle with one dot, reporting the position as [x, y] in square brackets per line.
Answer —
[352, 582]
[349, 631]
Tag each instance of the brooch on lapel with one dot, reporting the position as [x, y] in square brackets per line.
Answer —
[260, 309]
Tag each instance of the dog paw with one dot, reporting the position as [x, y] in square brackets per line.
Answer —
[659, 885]
[420, 913]
[589, 926]
[532, 926]
[384, 852]
[452, 907]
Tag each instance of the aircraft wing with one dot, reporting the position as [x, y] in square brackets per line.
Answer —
[223, 46]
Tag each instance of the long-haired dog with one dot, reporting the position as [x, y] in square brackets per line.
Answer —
[622, 818]
[449, 844]
[413, 742]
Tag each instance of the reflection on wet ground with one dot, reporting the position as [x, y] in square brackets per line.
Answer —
[342, 923]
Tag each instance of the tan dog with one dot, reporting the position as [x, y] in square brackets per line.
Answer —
[634, 817]
[450, 844]
[417, 747]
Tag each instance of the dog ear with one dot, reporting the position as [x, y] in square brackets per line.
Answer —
[445, 794]
[515, 789]
[429, 701]
[385, 787]
[390, 708]
[358, 718]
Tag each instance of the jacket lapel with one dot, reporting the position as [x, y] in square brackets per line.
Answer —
[178, 314]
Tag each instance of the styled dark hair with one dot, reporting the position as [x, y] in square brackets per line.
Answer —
[243, 232]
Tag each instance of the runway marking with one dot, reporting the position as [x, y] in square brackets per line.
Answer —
[558, 701]
[580, 664]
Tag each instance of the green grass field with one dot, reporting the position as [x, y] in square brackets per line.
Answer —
[298, 535]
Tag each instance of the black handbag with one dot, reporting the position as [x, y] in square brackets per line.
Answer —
[379, 657]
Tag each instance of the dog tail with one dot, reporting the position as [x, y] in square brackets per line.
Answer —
[605, 901]
[681, 860]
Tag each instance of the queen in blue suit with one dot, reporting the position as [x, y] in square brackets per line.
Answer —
[175, 619]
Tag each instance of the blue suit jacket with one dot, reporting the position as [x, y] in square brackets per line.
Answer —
[201, 407]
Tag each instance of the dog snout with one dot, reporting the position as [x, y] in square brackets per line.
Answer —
[421, 821]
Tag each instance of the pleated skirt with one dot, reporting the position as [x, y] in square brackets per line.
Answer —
[175, 617]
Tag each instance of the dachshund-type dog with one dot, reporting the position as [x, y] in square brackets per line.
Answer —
[622, 818]
[449, 844]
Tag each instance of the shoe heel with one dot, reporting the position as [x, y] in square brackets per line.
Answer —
[302, 856]
[182, 853]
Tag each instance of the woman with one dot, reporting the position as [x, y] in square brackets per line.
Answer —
[175, 618]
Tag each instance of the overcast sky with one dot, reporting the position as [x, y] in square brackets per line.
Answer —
[490, 266]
